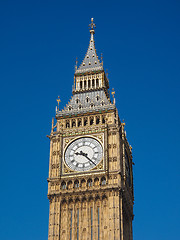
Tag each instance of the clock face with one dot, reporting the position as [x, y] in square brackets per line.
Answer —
[83, 154]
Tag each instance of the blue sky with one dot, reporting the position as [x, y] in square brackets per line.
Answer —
[39, 42]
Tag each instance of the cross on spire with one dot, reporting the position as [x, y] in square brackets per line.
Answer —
[92, 25]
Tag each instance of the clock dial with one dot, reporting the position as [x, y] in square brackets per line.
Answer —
[83, 154]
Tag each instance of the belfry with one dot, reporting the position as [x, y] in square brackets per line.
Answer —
[90, 183]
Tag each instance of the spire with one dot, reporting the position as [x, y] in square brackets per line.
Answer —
[91, 61]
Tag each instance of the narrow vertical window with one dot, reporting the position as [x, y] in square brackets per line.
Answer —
[93, 83]
[91, 223]
[79, 121]
[78, 224]
[85, 121]
[103, 120]
[73, 123]
[91, 121]
[98, 225]
[71, 225]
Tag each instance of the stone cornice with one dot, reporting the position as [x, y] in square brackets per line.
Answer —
[85, 110]
[88, 192]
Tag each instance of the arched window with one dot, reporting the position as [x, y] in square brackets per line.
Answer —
[67, 124]
[103, 181]
[89, 83]
[87, 99]
[91, 121]
[85, 121]
[97, 82]
[70, 185]
[93, 83]
[97, 120]
[73, 123]
[76, 184]
[90, 183]
[63, 185]
[83, 183]
[80, 84]
[79, 122]
[84, 84]
[96, 181]
[103, 120]
[77, 100]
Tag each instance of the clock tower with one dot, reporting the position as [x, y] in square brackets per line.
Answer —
[90, 184]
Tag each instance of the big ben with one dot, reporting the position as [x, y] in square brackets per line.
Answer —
[90, 183]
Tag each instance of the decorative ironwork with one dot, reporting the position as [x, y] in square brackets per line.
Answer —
[92, 24]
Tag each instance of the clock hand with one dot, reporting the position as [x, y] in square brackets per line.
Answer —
[77, 153]
[80, 153]
[85, 155]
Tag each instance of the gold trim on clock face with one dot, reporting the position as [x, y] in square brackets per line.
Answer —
[83, 154]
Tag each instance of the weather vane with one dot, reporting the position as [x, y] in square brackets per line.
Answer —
[92, 24]
[58, 101]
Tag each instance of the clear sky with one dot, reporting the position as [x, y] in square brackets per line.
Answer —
[39, 42]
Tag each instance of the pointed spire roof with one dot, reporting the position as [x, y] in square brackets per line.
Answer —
[91, 61]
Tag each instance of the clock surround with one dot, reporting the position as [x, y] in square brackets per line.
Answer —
[101, 164]
[83, 154]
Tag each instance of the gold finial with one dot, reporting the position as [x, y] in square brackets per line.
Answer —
[92, 25]
[123, 125]
[58, 101]
[113, 93]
